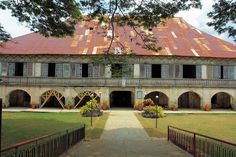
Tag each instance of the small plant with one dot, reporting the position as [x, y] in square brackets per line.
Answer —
[69, 105]
[148, 102]
[173, 107]
[206, 107]
[153, 112]
[104, 105]
[138, 106]
[91, 108]
[33, 105]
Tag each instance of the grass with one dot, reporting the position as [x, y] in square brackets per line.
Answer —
[220, 126]
[17, 127]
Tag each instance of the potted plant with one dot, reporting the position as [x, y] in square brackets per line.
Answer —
[104, 105]
[206, 107]
[173, 107]
[33, 105]
[153, 112]
[69, 105]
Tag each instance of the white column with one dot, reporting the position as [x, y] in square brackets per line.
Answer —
[108, 71]
[204, 72]
[37, 69]
[136, 70]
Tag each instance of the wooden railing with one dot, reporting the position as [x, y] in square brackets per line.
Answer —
[52, 145]
[200, 145]
[129, 82]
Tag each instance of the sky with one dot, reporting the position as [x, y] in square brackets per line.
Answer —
[196, 17]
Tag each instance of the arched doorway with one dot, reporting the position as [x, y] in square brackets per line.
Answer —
[121, 99]
[189, 100]
[82, 98]
[221, 100]
[19, 98]
[162, 99]
[52, 99]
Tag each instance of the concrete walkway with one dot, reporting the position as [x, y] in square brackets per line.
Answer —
[124, 136]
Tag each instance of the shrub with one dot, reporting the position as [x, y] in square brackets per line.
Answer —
[91, 107]
[206, 107]
[148, 102]
[138, 106]
[153, 112]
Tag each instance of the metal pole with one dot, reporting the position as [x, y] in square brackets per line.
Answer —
[91, 117]
[156, 116]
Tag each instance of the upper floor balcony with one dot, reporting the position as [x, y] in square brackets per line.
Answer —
[118, 82]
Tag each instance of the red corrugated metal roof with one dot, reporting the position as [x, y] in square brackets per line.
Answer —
[176, 37]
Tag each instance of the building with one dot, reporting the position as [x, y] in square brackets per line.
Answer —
[191, 69]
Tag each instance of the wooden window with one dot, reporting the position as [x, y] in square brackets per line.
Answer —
[199, 71]
[44, 69]
[228, 72]
[178, 71]
[78, 70]
[59, 70]
[165, 71]
[128, 70]
[4, 68]
[11, 69]
[0, 69]
[66, 70]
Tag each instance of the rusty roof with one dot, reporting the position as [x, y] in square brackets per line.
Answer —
[176, 38]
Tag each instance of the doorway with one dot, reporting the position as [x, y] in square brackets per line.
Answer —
[121, 99]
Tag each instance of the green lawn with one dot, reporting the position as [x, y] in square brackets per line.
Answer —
[222, 126]
[22, 126]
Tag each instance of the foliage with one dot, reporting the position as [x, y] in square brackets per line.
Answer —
[4, 36]
[104, 105]
[148, 102]
[154, 110]
[173, 107]
[138, 106]
[224, 17]
[206, 107]
[91, 106]
[49, 18]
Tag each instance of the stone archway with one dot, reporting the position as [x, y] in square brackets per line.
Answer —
[82, 98]
[19, 98]
[121, 99]
[52, 98]
[162, 99]
[221, 100]
[189, 100]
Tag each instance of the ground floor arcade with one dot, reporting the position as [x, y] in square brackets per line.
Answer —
[58, 97]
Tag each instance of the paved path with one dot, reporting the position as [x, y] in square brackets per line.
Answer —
[124, 136]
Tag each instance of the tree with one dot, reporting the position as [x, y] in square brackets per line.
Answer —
[224, 17]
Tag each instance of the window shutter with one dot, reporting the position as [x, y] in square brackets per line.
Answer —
[78, 70]
[225, 72]
[142, 69]
[127, 70]
[30, 69]
[216, 72]
[198, 71]
[0, 69]
[4, 68]
[44, 69]
[25, 69]
[96, 70]
[165, 71]
[59, 70]
[11, 69]
[90, 70]
[102, 71]
[147, 70]
[231, 72]
[66, 70]
[178, 71]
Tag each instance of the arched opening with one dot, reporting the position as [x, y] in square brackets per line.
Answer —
[19, 98]
[121, 99]
[221, 100]
[162, 99]
[83, 98]
[52, 99]
[189, 100]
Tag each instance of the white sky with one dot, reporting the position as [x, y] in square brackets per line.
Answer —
[196, 17]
